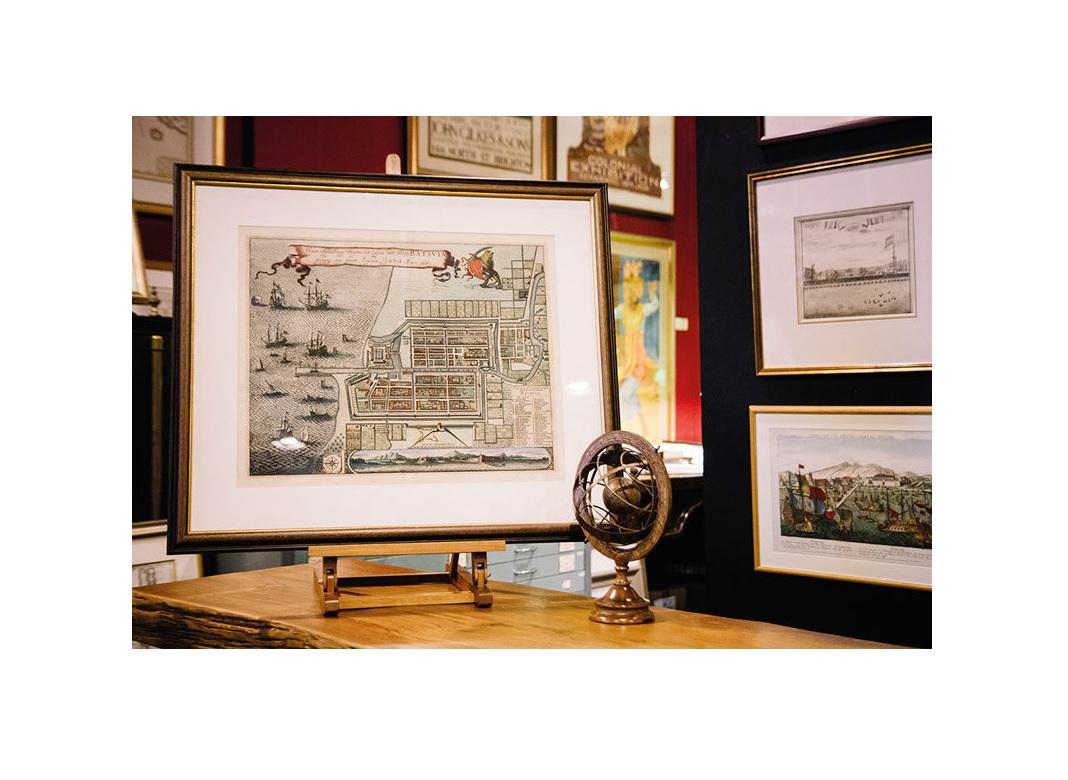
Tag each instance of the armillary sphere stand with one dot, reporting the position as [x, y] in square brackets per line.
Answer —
[622, 498]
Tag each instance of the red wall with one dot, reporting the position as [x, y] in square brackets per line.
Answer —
[360, 144]
[682, 229]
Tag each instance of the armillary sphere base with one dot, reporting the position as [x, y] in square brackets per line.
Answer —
[621, 605]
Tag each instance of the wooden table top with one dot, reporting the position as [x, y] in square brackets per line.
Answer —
[277, 608]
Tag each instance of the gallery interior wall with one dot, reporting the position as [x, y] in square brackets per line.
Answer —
[359, 144]
[727, 150]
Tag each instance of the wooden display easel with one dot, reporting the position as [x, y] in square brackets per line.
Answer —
[452, 586]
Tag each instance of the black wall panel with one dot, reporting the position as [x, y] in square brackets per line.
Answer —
[727, 150]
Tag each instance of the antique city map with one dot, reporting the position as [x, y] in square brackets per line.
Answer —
[420, 355]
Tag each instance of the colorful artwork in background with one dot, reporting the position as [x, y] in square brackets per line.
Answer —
[633, 155]
[615, 149]
[644, 293]
[405, 356]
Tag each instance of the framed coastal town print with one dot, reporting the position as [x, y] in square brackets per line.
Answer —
[509, 147]
[643, 277]
[783, 128]
[634, 155]
[372, 358]
[843, 492]
[841, 264]
[161, 141]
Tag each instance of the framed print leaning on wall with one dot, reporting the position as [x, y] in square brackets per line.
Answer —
[643, 274]
[161, 141]
[634, 155]
[841, 264]
[843, 492]
[374, 358]
[510, 147]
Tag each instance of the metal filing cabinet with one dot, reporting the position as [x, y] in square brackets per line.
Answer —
[561, 566]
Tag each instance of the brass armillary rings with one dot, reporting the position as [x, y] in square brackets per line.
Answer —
[622, 499]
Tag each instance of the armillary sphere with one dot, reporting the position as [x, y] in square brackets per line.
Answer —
[622, 498]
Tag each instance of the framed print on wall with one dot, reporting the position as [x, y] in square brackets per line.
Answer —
[510, 147]
[634, 155]
[161, 141]
[643, 274]
[843, 492]
[784, 128]
[373, 358]
[841, 264]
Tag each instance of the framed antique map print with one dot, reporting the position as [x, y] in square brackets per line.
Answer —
[643, 276]
[634, 155]
[161, 141]
[841, 264]
[369, 358]
[509, 147]
[843, 492]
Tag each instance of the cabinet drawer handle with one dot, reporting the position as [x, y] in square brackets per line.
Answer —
[524, 572]
[530, 548]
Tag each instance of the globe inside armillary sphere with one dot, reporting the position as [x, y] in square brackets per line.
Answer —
[622, 496]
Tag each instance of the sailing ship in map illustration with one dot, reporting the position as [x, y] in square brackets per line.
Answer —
[315, 298]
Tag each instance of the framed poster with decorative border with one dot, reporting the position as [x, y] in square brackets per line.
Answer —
[161, 141]
[643, 274]
[509, 147]
[841, 264]
[789, 128]
[374, 358]
[843, 492]
[634, 155]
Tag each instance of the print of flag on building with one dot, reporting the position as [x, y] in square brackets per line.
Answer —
[889, 241]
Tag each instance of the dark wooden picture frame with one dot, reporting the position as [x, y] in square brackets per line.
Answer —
[195, 187]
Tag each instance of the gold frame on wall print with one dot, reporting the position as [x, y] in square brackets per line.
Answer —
[666, 317]
[755, 482]
[547, 148]
[753, 180]
[192, 178]
[218, 157]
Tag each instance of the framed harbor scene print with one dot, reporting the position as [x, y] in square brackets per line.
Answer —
[161, 141]
[375, 358]
[634, 155]
[843, 492]
[643, 274]
[841, 264]
[510, 147]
